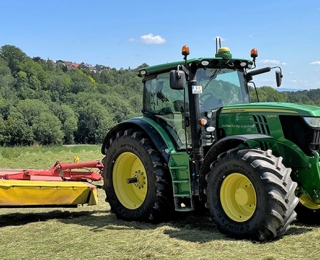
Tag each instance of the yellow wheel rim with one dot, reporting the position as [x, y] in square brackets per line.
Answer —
[238, 197]
[308, 203]
[129, 166]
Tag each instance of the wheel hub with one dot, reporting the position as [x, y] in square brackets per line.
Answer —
[141, 179]
[238, 197]
[129, 180]
[245, 196]
[308, 203]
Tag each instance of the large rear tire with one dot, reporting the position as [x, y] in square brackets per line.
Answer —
[250, 194]
[136, 178]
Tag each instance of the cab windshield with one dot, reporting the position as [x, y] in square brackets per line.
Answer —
[221, 87]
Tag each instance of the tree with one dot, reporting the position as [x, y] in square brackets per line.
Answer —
[5, 108]
[59, 84]
[47, 129]
[120, 108]
[16, 131]
[38, 78]
[13, 56]
[136, 104]
[7, 81]
[81, 82]
[267, 94]
[68, 121]
[2, 131]
[94, 123]
[31, 108]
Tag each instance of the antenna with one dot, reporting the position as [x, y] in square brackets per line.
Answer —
[218, 44]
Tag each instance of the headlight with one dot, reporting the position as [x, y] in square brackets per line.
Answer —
[142, 73]
[312, 121]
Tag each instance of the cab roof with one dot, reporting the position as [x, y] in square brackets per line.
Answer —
[216, 62]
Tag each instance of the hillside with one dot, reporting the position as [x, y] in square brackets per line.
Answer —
[59, 102]
[45, 102]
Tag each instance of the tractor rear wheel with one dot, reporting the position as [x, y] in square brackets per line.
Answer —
[136, 178]
[250, 194]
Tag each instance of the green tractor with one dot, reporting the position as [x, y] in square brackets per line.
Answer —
[201, 142]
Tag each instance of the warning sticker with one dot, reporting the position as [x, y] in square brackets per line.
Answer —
[196, 89]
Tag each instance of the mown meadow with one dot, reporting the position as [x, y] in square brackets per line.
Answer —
[93, 232]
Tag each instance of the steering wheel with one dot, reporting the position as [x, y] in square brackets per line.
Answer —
[204, 97]
[209, 101]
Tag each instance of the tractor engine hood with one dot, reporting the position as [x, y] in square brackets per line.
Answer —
[275, 108]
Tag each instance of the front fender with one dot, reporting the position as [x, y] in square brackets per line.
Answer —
[229, 142]
[223, 145]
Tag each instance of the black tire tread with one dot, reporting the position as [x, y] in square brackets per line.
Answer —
[162, 208]
[281, 192]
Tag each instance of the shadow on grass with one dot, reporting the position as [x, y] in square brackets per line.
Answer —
[19, 219]
[193, 227]
[188, 227]
[298, 228]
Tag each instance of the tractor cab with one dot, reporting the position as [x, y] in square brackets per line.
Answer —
[219, 83]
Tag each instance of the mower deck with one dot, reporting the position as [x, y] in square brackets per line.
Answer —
[60, 186]
[21, 193]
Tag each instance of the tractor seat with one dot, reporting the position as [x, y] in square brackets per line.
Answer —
[178, 106]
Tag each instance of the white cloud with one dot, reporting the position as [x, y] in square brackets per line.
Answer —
[149, 39]
[315, 63]
[152, 39]
[275, 62]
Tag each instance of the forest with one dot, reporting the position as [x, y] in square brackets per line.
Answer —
[43, 102]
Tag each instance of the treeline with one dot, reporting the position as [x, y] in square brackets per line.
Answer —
[269, 94]
[45, 103]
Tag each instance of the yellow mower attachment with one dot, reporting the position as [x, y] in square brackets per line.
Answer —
[63, 185]
[21, 193]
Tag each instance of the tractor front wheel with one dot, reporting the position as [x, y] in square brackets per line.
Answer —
[250, 194]
[308, 212]
[136, 178]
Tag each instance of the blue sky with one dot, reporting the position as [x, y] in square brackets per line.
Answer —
[129, 33]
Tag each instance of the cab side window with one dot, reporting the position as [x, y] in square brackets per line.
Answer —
[159, 98]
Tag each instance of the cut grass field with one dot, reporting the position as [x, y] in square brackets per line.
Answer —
[93, 232]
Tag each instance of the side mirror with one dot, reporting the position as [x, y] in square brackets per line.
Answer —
[278, 77]
[259, 71]
[177, 79]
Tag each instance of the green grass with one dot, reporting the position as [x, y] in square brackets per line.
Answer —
[95, 233]
[45, 157]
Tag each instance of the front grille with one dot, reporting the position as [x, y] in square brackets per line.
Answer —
[261, 124]
[315, 145]
[299, 132]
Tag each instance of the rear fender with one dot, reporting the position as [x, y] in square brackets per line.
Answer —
[155, 132]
